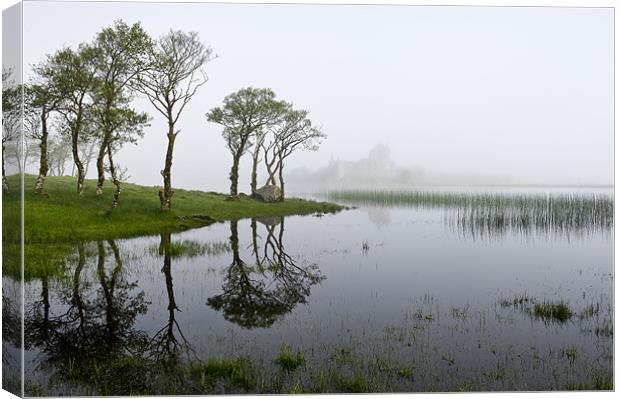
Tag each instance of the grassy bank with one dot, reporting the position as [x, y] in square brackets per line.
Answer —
[60, 216]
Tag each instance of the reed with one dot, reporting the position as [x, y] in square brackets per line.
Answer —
[496, 212]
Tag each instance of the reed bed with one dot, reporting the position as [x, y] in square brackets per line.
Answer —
[496, 212]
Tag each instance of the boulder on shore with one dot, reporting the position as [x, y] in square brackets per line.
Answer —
[268, 193]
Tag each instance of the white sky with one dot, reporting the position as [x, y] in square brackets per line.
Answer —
[526, 92]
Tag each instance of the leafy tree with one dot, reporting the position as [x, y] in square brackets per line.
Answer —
[41, 101]
[70, 79]
[11, 119]
[121, 55]
[173, 78]
[59, 153]
[244, 114]
[128, 127]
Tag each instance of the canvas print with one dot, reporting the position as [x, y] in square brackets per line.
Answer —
[204, 198]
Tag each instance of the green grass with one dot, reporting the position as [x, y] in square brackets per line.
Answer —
[61, 216]
[232, 372]
[289, 360]
[553, 311]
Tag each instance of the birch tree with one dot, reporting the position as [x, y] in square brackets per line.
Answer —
[243, 114]
[173, 78]
[42, 102]
[121, 54]
[11, 119]
[71, 76]
[294, 132]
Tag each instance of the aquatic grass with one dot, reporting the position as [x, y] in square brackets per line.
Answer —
[289, 360]
[354, 384]
[553, 311]
[191, 249]
[233, 372]
[571, 353]
[590, 311]
[602, 380]
[518, 302]
[497, 212]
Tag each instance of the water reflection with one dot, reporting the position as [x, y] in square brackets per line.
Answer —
[169, 343]
[145, 316]
[97, 324]
[257, 295]
[480, 215]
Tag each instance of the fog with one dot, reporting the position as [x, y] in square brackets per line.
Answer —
[465, 94]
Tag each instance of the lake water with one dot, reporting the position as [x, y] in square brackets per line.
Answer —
[401, 298]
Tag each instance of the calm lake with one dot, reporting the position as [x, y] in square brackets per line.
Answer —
[398, 298]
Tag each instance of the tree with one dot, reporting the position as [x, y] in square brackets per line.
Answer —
[174, 76]
[121, 54]
[71, 78]
[293, 132]
[243, 114]
[41, 102]
[11, 119]
[128, 127]
[60, 154]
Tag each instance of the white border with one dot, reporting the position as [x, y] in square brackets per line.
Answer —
[520, 3]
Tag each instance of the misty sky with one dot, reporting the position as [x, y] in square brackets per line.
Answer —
[526, 92]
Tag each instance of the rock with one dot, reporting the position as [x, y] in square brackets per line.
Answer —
[268, 193]
[270, 221]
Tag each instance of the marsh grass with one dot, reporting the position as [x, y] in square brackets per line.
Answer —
[289, 360]
[553, 311]
[235, 372]
[494, 212]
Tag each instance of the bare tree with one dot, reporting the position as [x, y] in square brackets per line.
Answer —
[173, 78]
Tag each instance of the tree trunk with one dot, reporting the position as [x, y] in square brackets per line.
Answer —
[117, 183]
[165, 195]
[43, 160]
[259, 264]
[281, 177]
[77, 162]
[101, 165]
[271, 173]
[254, 173]
[5, 183]
[234, 176]
[234, 242]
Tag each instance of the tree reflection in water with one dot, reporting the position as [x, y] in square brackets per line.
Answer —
[258, 295]
[169, 344]
[97, 327]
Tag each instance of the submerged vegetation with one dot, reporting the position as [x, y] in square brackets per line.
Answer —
[497, 212]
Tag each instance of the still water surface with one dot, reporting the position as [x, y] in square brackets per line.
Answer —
[391, 287]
